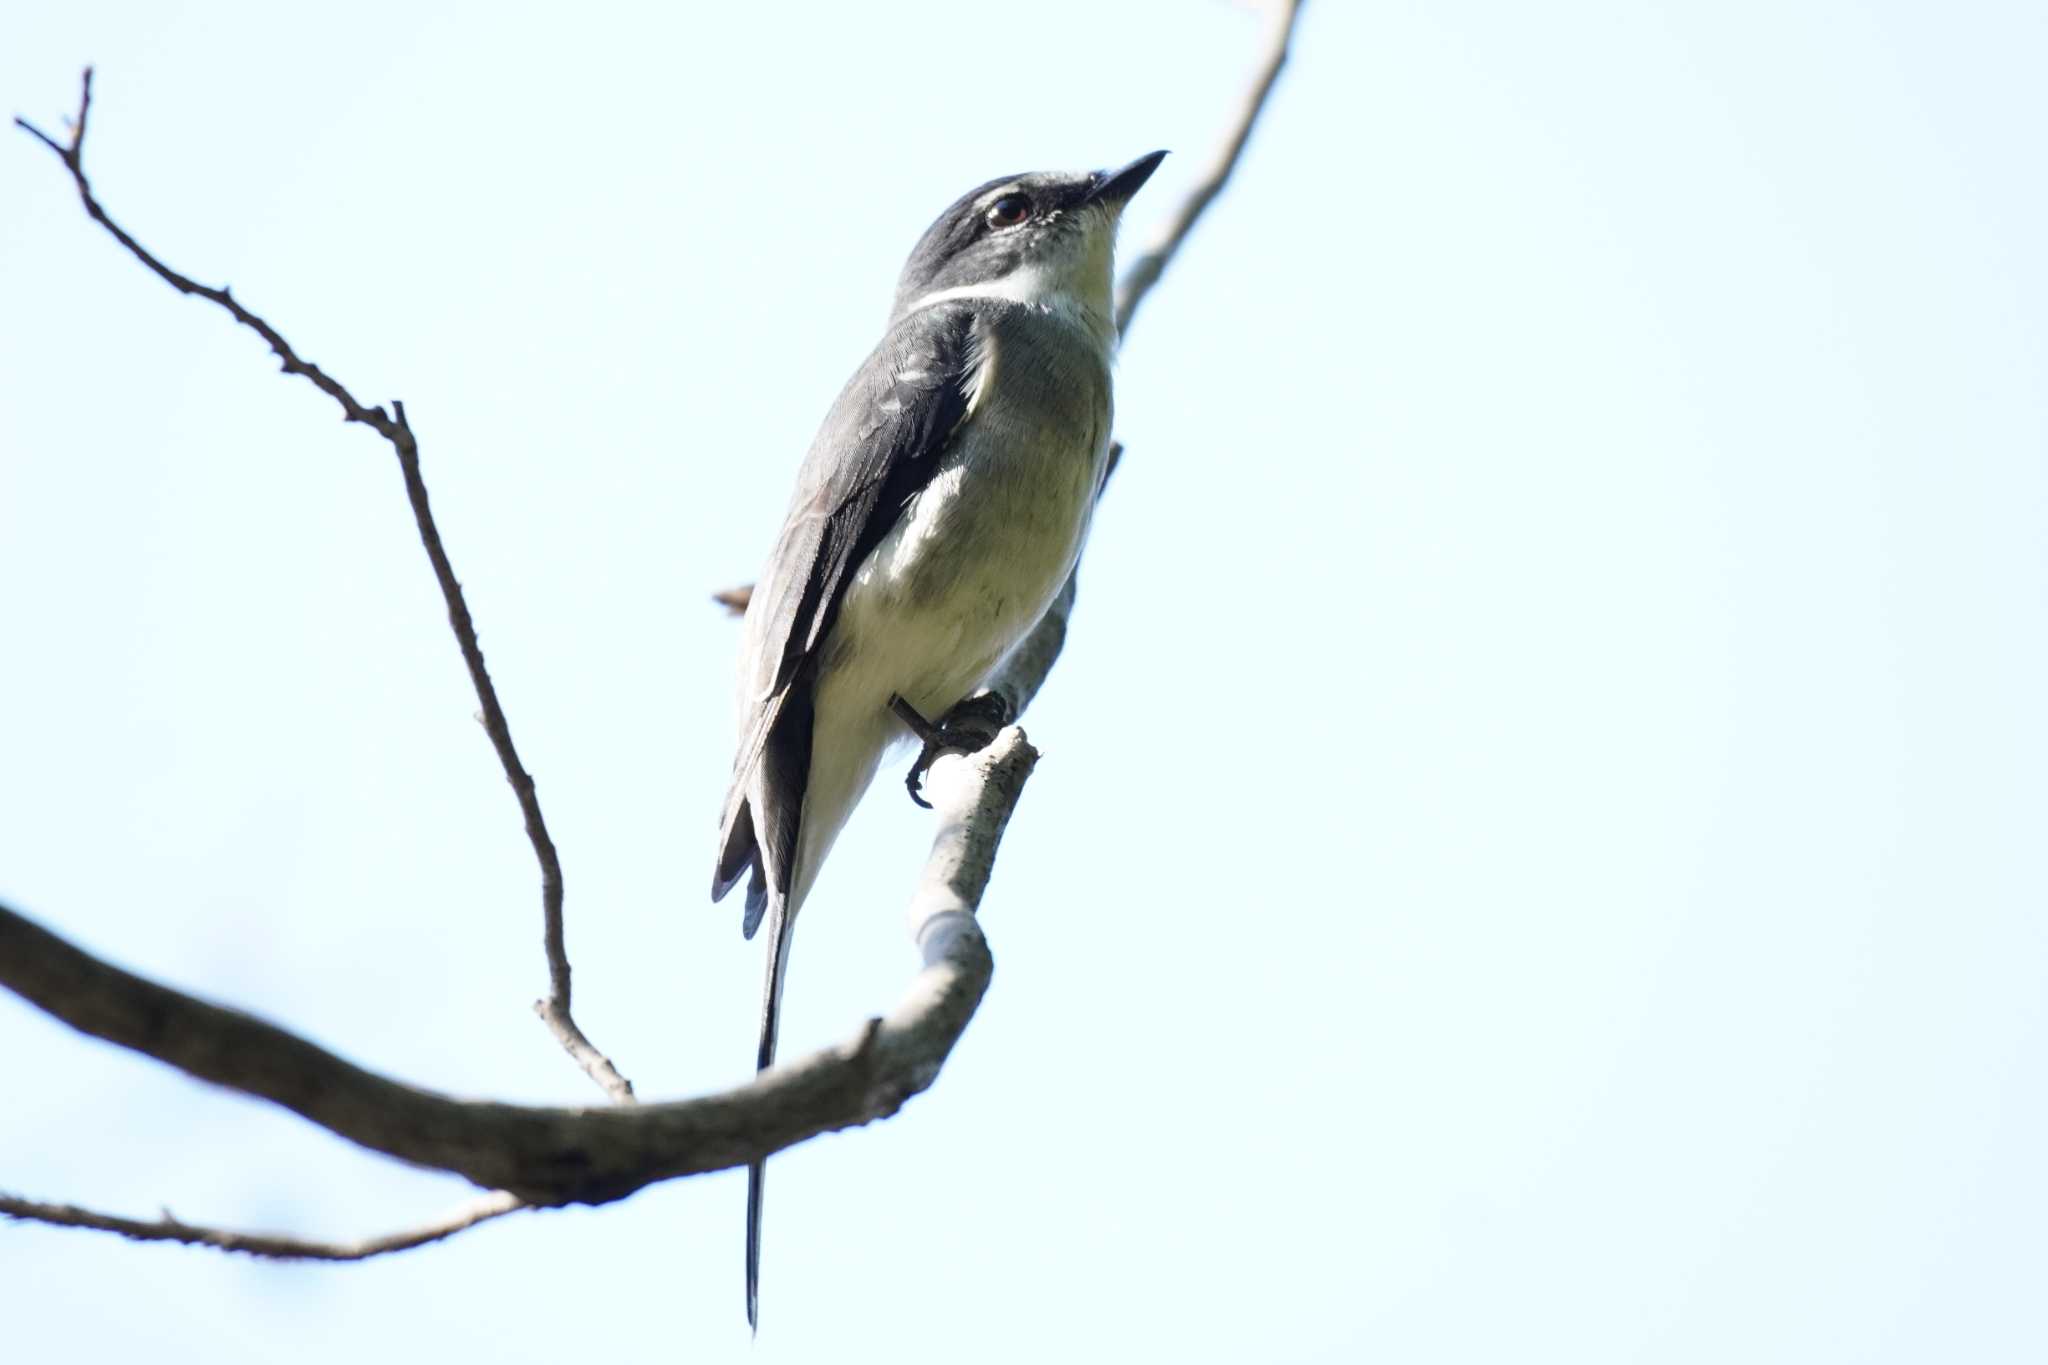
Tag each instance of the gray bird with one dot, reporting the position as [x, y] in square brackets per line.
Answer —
[942, 505]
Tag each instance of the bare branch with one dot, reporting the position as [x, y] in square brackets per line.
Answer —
[394, 428]
[546, 1155]
[1145, 271]
[532, 1156]
[268, 1245]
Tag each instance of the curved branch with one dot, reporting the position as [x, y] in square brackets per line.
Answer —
[393, 427]
[1152, 262]
[546, 1155]
[271, 1246]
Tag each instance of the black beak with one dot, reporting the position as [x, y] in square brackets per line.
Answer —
[1116, 187]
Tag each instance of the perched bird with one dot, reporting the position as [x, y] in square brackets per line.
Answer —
[942, 505]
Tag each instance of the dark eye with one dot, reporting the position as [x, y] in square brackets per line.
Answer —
[1008, 211]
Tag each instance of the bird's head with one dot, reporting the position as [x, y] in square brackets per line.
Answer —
[1044, 240]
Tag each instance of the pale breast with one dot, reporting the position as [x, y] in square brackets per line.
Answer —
[982, 549]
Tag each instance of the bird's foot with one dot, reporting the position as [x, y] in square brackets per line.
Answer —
[967, 728]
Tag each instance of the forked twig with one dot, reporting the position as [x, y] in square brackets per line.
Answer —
[394, 428]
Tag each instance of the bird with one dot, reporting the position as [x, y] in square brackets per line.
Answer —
[942, 504]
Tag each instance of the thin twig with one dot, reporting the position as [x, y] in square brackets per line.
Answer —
[394, 428]
[272, 1246]
[1027, 666]
[1145, 271]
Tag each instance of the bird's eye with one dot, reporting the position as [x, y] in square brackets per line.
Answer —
[1008, 211]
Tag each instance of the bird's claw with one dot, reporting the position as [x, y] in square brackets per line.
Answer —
[968, 728]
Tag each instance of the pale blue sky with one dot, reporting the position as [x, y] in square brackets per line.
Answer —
[1539, 849]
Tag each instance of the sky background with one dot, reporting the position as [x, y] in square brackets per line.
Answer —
[1539, 852]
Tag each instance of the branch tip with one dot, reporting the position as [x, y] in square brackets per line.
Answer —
[170, 1228]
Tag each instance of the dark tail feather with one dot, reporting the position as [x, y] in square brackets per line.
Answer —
[771, 1016]
[736, 851]
[756, 1175]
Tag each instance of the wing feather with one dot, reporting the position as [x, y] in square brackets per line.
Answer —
[879, 446]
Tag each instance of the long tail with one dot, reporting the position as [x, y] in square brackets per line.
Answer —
[780, 921]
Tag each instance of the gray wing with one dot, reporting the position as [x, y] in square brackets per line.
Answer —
[879, 446]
